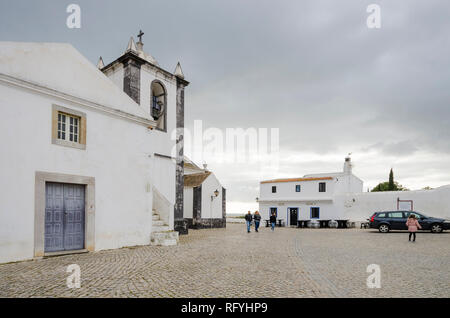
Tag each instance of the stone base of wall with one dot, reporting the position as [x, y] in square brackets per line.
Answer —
[181, 226]
[206, 223]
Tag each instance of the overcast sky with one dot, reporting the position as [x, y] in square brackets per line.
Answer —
[313, 69]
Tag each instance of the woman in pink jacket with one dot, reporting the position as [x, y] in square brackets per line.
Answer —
[412, 225]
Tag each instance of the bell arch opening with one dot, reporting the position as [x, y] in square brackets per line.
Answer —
[158, 104]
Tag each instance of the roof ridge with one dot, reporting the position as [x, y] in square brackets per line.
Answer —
[297, 179]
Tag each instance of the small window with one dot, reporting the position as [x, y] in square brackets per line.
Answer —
[68, 127]
[396, 215]
[315, 213]
[381, 215]
[297, 188]
[274, 189]
[322, 187]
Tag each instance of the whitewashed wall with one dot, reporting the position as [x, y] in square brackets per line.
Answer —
[348, 183]
[188, 201]
[116, 75]
[327, 210]
[162, 142]
[211, 209]
[286, 190]
[164, 169]
[117, 155]
[360, 206]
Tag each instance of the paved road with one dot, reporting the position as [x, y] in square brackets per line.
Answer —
[232, 263]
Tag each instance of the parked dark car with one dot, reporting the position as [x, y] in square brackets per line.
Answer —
[396, 220]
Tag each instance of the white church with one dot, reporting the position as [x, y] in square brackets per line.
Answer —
[339, 196]
[88, 158]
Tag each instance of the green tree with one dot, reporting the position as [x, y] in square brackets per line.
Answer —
[384, 186]
[391, 186]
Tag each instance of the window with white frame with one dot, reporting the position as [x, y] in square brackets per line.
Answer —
[68, 127]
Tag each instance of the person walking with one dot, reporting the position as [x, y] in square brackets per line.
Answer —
[257, 218]
[273, 220]
[248, 219]
[412, 225]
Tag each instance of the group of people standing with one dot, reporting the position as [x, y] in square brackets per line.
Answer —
[412, 223]
[257, 218]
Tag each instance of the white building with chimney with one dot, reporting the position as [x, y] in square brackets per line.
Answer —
[88, 160]
[339, 196]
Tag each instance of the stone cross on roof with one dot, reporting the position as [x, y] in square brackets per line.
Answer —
[140, 35]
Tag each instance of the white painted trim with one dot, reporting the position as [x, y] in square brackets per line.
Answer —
[77, 100]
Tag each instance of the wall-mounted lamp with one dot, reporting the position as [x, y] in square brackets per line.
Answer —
[216, 194]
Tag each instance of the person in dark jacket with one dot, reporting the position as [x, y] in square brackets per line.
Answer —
[257, 218]
[248, 219]
[273, 220]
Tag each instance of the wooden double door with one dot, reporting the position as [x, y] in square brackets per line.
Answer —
[64, 217]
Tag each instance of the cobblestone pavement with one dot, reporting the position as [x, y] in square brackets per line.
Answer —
[232, 263]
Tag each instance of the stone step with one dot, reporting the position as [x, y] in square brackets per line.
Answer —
[163, 242]
[164, 235]
[167, 238]
[160, 228]
[159, 223]
[155, 217]
[169, 242]
[173, 235]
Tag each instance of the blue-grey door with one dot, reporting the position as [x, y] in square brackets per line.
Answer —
[64, 217]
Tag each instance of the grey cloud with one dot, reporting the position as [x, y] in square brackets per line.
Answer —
[397, 149]
[311, 68]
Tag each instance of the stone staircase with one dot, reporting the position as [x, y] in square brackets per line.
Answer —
[161, 234]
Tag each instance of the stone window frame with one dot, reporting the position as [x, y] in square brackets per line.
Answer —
[41, 178]
[81, 144]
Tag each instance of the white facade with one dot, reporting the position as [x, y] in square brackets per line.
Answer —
[342, 199]
[120, 156]
[310, 197]
[204, 197]
[359, 206]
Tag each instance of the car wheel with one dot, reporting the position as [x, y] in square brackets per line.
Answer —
[384, 228]
[436, 228]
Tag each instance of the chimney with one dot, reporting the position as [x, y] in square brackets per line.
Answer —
[205, 166]
[348, 165]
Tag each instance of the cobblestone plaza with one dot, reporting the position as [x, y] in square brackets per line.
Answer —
[229, 263]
